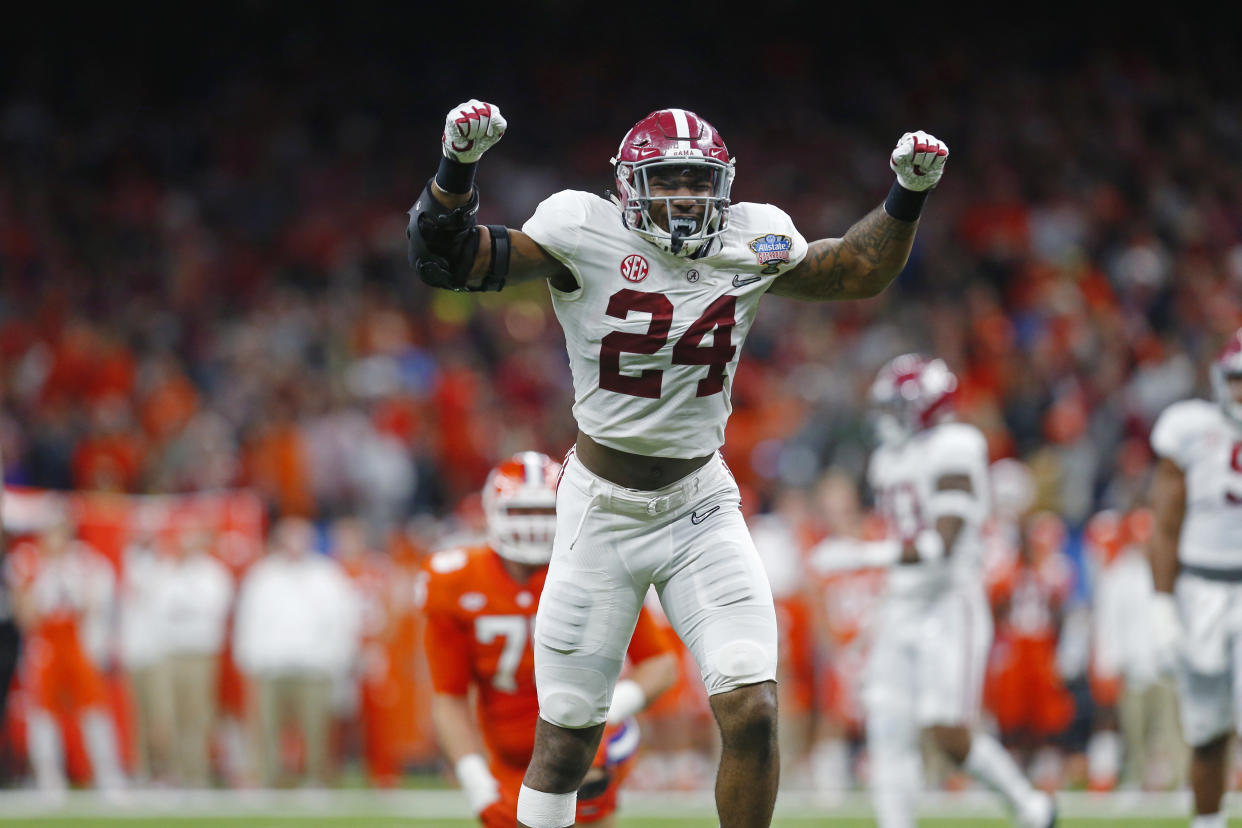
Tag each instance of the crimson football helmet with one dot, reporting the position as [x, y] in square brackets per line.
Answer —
[519, 501]
[1228, 364]
[685, 148]
[912, 392]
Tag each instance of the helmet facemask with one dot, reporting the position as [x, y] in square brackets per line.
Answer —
[1221, 376]
[522, 529]
[519, 502]
[691, 193]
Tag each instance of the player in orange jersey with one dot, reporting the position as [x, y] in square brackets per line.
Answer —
[480, 609]
[61, 586]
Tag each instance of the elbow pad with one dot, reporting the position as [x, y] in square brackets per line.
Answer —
[443, 244]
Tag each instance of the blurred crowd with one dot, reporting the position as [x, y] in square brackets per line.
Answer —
[204, 289]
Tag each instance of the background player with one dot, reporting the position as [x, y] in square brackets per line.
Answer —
[481, 603]
[655, 291]
[63, 592]
[930, 478]
[1197, 572]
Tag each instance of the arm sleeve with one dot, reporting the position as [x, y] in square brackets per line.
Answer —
[1172, 433]
[446, 641]
[960, 449]
[556, 226]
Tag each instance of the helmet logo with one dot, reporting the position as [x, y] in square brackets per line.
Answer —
[634, 268]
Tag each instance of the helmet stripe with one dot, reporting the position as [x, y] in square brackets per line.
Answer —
[532, 473]
[683, 128]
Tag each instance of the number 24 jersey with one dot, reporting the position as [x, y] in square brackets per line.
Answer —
[654, 338]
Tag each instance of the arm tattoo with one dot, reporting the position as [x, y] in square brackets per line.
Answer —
[856, 266]
[883, 241]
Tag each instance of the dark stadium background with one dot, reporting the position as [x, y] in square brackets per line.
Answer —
[176, 181]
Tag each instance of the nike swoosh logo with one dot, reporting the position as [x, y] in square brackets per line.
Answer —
[738, 281]
[696, 518]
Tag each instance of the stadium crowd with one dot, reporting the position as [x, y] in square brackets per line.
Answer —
[211, 300]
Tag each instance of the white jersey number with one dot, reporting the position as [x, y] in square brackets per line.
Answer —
[513, 629]
[900, 505]
[718, 320]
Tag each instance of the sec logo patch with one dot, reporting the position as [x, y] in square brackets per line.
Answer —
[634, 268]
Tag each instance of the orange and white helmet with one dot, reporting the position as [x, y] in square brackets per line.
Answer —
[519, 500]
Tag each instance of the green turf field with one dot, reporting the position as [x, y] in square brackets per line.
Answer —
[446, 808]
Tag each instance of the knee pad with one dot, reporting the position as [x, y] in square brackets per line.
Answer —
[572, 697]
[741, 662]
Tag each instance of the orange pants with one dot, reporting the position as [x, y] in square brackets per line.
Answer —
[1024, 690]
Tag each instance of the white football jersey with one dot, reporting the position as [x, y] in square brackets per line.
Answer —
[904, 477]
[1207, 446]
[654, 338]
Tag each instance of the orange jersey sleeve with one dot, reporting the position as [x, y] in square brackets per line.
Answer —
[448, 653]
[649, 639]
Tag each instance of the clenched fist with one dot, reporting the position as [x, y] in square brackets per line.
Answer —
[470, 130]
[918, 159]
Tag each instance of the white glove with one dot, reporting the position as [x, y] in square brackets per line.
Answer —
[477, 783]
[918, 159]
[470, 130]
[1166, 630]
[627, 700]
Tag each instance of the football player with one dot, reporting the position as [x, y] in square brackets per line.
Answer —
[480, 605]
[925, 674]
[655, 290]
[1196, 496]
[62, 585]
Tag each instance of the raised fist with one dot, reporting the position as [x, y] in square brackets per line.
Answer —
[470, 130]
[918, 159]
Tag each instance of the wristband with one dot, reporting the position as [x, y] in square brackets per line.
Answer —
[930, 545]
[477, 783]
[627, 699]
[902, 204]
[455, 177]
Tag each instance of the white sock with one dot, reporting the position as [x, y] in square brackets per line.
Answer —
[100, 738]
[896, 771]
[830, 765]
[43, 743]
[990, 763]
[539, 809]
[1103, 757]
[1216, 820]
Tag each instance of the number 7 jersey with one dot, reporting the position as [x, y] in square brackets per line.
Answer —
[478, 633]
[654, 338]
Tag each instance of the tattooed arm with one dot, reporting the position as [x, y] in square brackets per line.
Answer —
[857, 266]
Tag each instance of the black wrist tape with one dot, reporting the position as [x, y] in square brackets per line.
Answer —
[903, 204]
[454, 176]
